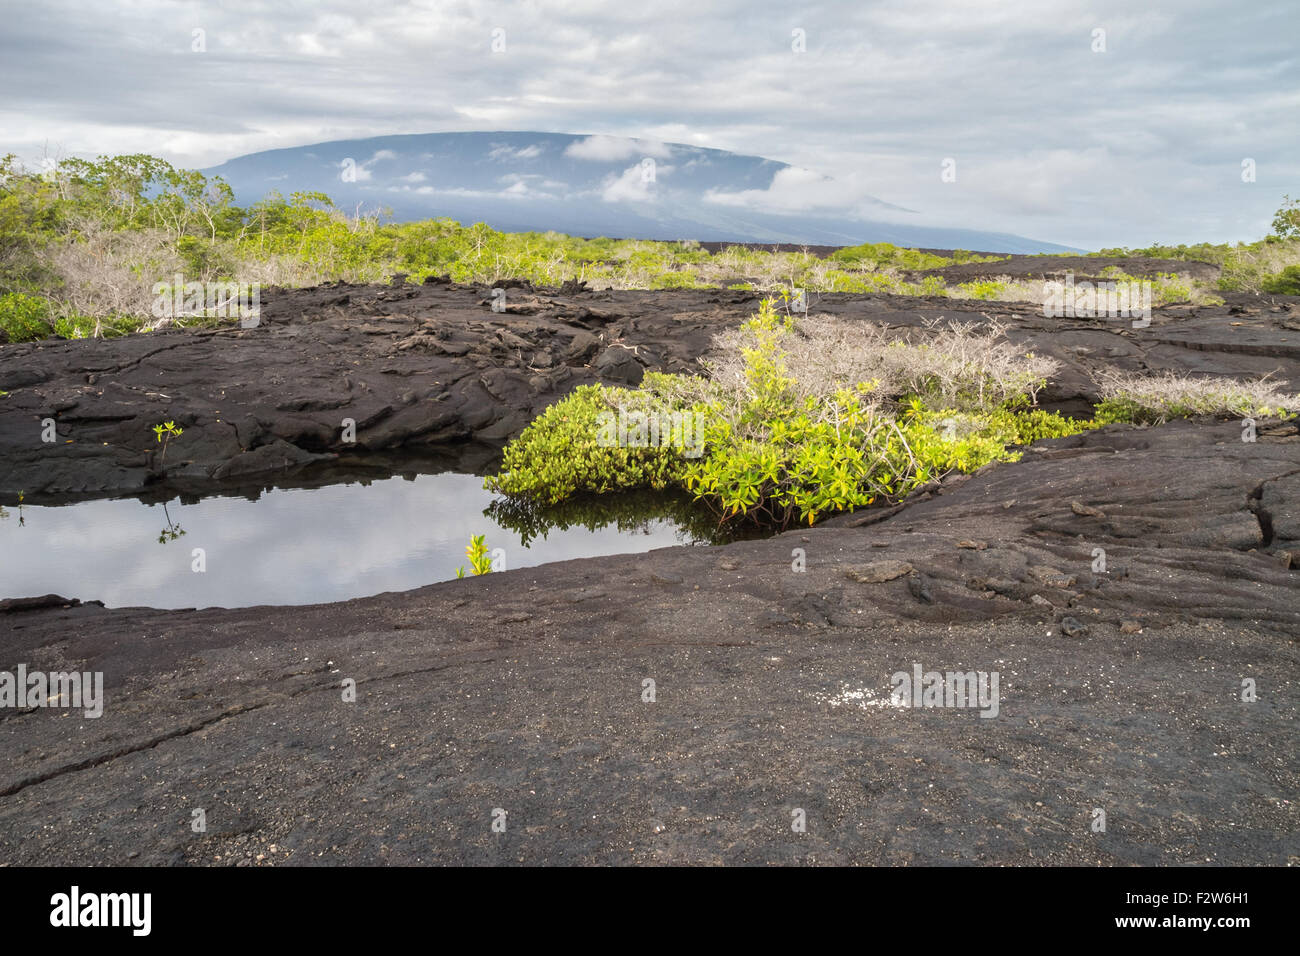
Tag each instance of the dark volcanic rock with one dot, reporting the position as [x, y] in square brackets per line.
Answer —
[405, 367]
[524, 691]
[421, 367]
[619, 364]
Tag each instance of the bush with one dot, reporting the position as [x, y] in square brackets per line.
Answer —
[677, 280]
[561, 453]
[86, 326]
[801, 430]
[1286, 282]
[1156, 399]
[1286, 224]
[982, 289]
[954, 365]
[24, 318]
[792, 428]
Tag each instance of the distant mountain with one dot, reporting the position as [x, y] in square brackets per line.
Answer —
[591, 186]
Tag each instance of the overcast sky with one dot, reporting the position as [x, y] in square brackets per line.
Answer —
[1052, 137]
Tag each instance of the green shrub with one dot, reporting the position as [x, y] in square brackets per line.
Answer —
[677, 280]
[1002, 426]
[1286, 224]
[479, 558]
[933, 285]
[1169, 292]
[1286, 282]
[85, 326]
[562, 453]
[981, 289]
[791, 430]
[24, 318]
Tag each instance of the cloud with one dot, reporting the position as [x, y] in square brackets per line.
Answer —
[530, 185]
[1140, 142]
[635, 184]
[361, 171]
[612, 149]
[796, 190]
[503, 153]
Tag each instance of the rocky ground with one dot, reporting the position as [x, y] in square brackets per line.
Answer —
[1121, 689]
[423, 368]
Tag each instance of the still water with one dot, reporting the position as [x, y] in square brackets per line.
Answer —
[306, 545]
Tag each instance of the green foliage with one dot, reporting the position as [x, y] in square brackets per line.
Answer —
[76, 326]
[1244, 267]
[981, 289]
[1286, 223]
[1126, 409]
[477, 553]
[782, 460]
[1286, 282]
[1168, 292]
[568, 449]
[774, 452]
[165, 433]
[785, 464]
[1003, 426]
[628, 511]
[883, 254]
[24, 318]
[677, 280]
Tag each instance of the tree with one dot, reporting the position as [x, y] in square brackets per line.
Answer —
[1286, 224]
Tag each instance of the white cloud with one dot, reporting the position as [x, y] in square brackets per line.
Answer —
[529, 185]
[797, 190]
[612, 149]
[633, 184]
[503, 153]
[361, 171]
[1183, 92]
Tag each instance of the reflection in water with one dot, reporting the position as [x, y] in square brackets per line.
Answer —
[312, 545]
[630, 513]
[172, 531]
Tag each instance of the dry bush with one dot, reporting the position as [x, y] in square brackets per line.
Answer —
[965, 366]
[1247, 268]
[1158, 397]
[110, 273]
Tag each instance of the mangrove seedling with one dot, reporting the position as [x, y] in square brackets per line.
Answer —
[165, 433]
[479, 559]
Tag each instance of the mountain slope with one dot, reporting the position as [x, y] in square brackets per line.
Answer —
[590, 186]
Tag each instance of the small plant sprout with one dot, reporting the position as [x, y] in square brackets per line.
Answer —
[479, 558]
[165, 433]
[21, 520]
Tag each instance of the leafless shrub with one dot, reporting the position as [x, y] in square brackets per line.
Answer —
[1162, 396]
[111, 273]
[955, 365]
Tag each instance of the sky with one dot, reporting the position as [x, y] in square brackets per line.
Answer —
[1090, 124]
